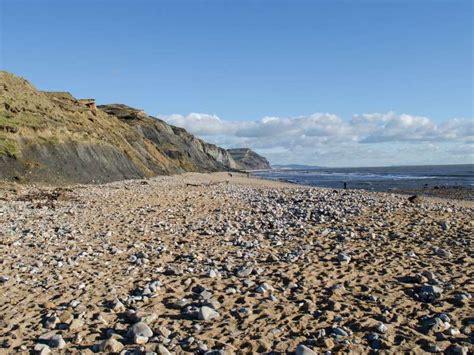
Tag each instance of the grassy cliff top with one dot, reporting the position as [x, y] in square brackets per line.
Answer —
[28, 112]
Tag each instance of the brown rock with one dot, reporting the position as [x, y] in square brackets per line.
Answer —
[76, 324]
[328, 343]
[49, 305]
[111, 346]
[66, 317]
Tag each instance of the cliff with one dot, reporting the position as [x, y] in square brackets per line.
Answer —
[247, 159]
[55, 138]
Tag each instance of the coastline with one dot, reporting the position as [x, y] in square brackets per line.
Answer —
[275, 266]
[426, 181]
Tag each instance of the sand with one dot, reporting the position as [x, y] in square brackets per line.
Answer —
[282, 268]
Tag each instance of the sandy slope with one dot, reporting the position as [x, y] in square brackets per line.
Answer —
[268, 257]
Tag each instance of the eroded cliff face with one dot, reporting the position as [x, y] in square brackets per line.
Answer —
[247, 159]
[175, 142]
[221, 155]
[52, 137]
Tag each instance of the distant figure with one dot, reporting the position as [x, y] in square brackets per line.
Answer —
[415, 199]
[345, 185]
[248, 175]
[230, 174]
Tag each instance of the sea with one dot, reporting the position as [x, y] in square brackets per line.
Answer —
[389, 178]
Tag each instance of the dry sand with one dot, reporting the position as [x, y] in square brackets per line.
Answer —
[272, 267]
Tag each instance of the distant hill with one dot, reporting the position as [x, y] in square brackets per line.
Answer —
[247, 159]
[53, 137]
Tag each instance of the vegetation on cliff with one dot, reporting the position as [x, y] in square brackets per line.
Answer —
[54, 137]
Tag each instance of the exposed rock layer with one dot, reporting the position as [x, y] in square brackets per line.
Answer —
[53, 137]
[247, 159]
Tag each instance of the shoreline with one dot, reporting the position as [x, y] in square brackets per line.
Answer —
[210, 261]
[461, 193]
[445, 181]
[436, 195]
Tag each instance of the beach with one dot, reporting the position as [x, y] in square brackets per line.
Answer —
[221, 262]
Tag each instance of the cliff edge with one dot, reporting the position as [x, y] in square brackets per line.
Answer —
[53, 137]
[247, 159]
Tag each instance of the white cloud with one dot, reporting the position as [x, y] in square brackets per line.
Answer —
[326, 139]
[390, 127]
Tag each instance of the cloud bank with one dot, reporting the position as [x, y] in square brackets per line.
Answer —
[326, 139]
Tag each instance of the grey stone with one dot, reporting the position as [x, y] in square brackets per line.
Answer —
[430, 293]
[382, 328]
[304, 350]
[57, 341]
[443, 253]
[162, 350]
[264, 287]
[343, 258]
[140, 333]
[244, 271]
[339, 331]
[42, 349]
[207, 313]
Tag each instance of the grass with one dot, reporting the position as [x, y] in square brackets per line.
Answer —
[13, 123]
[8, 123]
[8, 147]
[53, 139]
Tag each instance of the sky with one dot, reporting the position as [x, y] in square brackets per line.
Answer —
[328, 82]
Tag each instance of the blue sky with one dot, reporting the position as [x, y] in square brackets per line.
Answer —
[241, 61]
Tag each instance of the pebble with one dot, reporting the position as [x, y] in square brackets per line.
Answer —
[462, 297]
[231, 290]
[42, 349]
[304, 350]
[433, 348]
[343, 258]
[51, 322]
[118, 306]
[76, 324]
[249, 283]
[74, 303]
[457, 349]
[111, 346]
[162, 350]
[436, 325]
[272, 298]
[4, 279]
[205, 295]
[164, 331]
[264, 287]
[382, 328]
[339, 331]
[328, 343]
[207, 313]
[443, 253]
[430, 293]
[140, 333]
[66, 317]
[244, 271]
[57, 341]
[223, 261]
